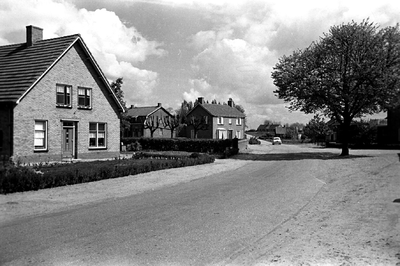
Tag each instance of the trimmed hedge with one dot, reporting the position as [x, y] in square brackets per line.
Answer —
[24, 178]
[212, 146]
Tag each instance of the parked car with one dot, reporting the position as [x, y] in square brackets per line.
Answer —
[276, 140]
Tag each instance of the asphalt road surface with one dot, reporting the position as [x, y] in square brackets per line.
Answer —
[209, 221]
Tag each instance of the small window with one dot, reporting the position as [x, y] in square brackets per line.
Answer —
[84, 98]
[205, 120]
[63, 95]
[230, 121]
[97, 135]
[40, 141]
[239, 121]
[220, 120]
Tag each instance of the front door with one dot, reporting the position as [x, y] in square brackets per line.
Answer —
[68, 140]
[230, 134]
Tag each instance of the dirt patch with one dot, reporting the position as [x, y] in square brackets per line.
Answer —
[351, 221]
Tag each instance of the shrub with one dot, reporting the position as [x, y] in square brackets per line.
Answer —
[189, 145]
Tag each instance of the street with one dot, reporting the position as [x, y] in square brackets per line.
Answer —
[226, 218]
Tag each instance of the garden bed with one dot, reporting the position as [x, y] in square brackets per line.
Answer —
[24, 178]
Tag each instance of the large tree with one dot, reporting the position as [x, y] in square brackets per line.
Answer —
[353, 70]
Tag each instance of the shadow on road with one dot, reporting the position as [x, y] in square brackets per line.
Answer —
[293, 156]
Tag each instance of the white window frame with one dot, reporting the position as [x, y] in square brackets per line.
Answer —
[239, 121]
[230, 121]
[65, 90]
[87, 94]
[97, 133]
[220, 120]
[44, 138]
[222, 133]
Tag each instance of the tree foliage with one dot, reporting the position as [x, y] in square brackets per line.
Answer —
[317, 129]
[116, 86]
[351, 71]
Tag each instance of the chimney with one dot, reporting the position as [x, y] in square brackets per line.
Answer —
[33, 34]
[231, 103]
[200, 100]
[159, 105]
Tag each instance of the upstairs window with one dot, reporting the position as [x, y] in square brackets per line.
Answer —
[220, 120]
[230, 121]
[97, 135]
[84, 98]
[239, 121]
[63, 95]
[40, 141]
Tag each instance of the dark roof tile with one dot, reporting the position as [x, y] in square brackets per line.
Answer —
[21, 66]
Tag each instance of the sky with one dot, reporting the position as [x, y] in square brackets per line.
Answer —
[168, 51]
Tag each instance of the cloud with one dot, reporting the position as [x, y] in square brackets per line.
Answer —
[116, 47]
[233, 66]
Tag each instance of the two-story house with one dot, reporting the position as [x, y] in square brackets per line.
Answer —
[150, 121]
[215, 121]
[55, 102]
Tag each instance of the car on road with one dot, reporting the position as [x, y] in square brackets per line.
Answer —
[276, 140]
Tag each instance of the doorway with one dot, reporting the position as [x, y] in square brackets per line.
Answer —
[69, 140]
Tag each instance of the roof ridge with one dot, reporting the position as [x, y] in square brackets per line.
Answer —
[44, 40]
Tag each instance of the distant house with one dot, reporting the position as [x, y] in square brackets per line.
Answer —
[273, 130]
[148, 122]
[215, 121]
[55, 102]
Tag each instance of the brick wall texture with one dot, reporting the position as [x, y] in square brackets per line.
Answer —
[73, 69]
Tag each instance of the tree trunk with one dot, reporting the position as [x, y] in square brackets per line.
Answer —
[345, 137]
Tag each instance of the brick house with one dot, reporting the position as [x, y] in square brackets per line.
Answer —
[55, 102]
[215, 121]
[148, 122]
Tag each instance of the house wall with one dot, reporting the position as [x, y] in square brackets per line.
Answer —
[226, 126]
[6, 113]
[214, 127]
[137, 128]
[201, 134]
[161, 132]
[40, 103]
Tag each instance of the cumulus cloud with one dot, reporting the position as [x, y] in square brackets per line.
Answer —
[116, 47]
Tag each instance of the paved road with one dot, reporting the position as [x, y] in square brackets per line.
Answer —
[206, 221]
